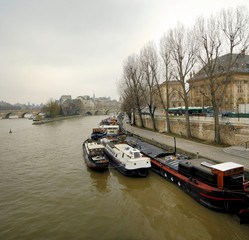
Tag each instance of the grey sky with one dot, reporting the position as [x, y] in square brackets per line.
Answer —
[53, 47]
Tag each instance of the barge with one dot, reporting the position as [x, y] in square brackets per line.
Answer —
[94, 155]
[220, 187]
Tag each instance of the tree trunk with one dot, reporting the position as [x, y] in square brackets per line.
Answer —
[134, 118]
[167, 110]
[153, 121]
[141, 118]
[168, 122]
[216, 127]
[188, 130]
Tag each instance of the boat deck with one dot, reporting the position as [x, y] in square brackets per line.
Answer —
[146, 148]
[172, 163]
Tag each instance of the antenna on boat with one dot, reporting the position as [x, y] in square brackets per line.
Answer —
[174, 145]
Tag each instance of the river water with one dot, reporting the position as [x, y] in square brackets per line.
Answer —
[47, 192]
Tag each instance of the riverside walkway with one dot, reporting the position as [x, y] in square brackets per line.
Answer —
[232, 154]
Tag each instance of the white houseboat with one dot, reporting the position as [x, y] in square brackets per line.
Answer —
[128, 160]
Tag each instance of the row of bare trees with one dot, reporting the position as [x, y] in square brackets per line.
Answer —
[182, 50]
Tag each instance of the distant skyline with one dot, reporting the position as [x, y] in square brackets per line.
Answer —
[50, 48]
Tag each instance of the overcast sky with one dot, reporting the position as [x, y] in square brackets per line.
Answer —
[50, 48]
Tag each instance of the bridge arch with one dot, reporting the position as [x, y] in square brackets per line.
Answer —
[9, 113]
[23, 114]
[109, 111]
[88, 113]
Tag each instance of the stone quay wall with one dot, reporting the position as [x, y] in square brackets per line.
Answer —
[233, 132]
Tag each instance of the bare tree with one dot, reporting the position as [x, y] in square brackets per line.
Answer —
[149, 69]
[132, 84]
[183, 48]
[227, 32]
[127, 102]
[209, 38]
[167, 76]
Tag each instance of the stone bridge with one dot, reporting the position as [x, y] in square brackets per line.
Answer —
[100, 111]
[19, 113]
[35, 112]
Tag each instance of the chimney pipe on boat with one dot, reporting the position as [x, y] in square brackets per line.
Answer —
[174, 145]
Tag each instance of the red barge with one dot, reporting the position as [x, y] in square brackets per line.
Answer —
[220, 187]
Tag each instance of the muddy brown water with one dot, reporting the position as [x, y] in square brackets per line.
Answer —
[47, 192]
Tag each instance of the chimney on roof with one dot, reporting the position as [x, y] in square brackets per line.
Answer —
[243, 58]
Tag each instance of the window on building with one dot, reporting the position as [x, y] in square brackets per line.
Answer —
[240, 90]
[198, 91]
[207, 90]
[179, 94]
[173, 97]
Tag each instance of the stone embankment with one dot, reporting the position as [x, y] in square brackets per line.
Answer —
[217, 154]
[233, 132]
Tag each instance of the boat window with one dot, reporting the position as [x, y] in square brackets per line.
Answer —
[123, 155]
[96, 152]
[136, 155]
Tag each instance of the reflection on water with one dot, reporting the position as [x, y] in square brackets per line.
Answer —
[48, 192]
[99, 180]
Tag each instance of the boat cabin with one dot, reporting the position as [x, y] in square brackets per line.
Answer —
[95, 149]
[229, 175]
[111, 130]
[128, 152]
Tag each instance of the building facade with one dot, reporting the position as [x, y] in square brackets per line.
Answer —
[237, 91]
[65, 98]
[175, 92]
[87, 101]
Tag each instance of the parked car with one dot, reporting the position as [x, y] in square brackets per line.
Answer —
[226, 114]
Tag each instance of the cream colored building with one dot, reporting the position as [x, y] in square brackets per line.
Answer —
[87, 101]
[175, 91]
[65, 98]
[237, 91]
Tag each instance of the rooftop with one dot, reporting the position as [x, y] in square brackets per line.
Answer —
[227, 166]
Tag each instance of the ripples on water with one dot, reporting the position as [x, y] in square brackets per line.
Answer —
[47, 192]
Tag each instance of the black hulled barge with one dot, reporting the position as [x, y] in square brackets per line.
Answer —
[220, 187]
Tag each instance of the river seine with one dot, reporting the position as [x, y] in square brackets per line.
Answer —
[47, 192]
